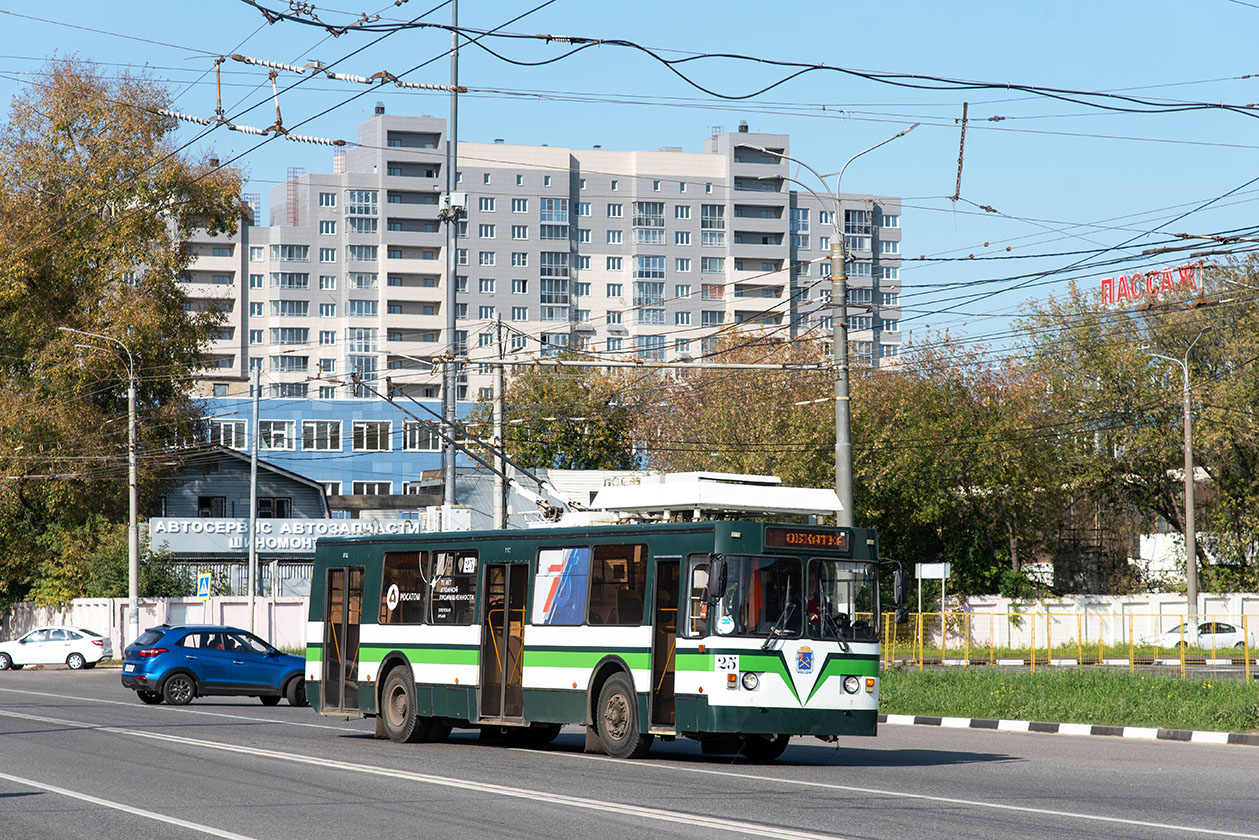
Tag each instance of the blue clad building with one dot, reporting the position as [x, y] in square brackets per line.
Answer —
[353, 447]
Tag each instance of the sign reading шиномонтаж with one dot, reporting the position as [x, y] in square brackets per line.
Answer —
[1126, 288]
[187, 535]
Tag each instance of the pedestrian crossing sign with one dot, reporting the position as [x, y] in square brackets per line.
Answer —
[203, 586]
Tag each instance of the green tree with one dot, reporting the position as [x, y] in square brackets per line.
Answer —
[568, 418]
[95, 203]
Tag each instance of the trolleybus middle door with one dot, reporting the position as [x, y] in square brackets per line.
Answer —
[502, 640]
[342, 612]
[663, 642]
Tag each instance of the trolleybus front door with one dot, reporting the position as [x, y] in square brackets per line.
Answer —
[502, 640]
[343, 607]
[663, 643]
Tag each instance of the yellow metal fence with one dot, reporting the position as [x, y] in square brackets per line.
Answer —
[1044, 639]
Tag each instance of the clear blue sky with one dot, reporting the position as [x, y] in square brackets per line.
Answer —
[1073, 177]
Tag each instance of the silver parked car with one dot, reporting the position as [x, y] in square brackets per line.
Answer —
[74, 646]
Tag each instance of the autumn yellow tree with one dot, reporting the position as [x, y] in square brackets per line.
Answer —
[96, 199]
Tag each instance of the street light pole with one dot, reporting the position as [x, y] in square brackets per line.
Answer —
[133, 491]
[1191, 536]
[839, 330]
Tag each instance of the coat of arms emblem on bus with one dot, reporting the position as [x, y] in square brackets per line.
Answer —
[804, 660]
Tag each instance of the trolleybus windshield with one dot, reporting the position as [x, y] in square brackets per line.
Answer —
[761, 597]
[841, 600]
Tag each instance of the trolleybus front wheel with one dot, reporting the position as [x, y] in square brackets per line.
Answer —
[618, 720]
[764, 747]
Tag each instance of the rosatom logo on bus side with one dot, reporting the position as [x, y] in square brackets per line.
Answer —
[391, 597]
[1128, 288]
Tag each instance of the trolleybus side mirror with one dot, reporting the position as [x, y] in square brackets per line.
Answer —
[898, 588]
[716, 579]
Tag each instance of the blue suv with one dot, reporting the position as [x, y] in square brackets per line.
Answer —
[178, 663]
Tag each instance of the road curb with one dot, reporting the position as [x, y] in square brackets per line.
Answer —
[1139, 733]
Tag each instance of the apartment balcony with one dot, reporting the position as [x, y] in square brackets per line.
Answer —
[758, 239]
[409, 265]
[215, 265]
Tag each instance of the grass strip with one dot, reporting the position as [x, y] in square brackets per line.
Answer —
[1101, 697]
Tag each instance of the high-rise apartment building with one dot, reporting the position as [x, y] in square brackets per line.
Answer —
[647, 254]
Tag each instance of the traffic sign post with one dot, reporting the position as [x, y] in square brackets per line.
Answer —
[931, 571]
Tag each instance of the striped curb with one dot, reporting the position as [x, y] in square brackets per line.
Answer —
[1071, 663]
[1140, 733]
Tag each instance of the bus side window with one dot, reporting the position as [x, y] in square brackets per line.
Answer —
[453, 596]
[697, 596]
[402, 588]
[618, 584]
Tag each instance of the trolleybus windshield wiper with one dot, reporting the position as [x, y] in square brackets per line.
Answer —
[779, 628]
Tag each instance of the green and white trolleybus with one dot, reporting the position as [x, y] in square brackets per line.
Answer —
[739, 634]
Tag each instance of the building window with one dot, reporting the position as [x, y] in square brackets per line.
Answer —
[485, 204]
[519, 259]
[682, 264]
[321, 435]
[420, 437]
[612, 318]
[613, 264]
[327, 199]
[614, 345]
[614, 185]
[651, 347]
[255, 253]
[255, 309]
[485, 178]
[328, 282]
[461, 256]
[327, 228]
[682, 290]
[211, 507]
[614, 237]
[372, 488]
[682, 237]
[363, 253]
[329, 392]
[327, 255]
[461, 283]
[520, 287]
[485, 258]
[711, 318]
[520, 313]
[889, 246]
[327, 337]
[255, 281]
[485, 231]
[361, 203]
[486, 285]
[681, 345]
[712, 265]
[520, 232]
[546, 180]
[372, 435]
[583, 263]
[485, 313]
[327, 310]
[681, 319]
[616, 211]
[362, 308]
[255, 336]
[229, 433]
[276, 434]
[583, 234]
[889, 221]
[520, 205]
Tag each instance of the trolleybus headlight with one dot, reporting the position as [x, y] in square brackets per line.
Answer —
[852, 685]
[751, 681]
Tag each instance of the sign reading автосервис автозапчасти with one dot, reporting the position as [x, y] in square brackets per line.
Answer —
[186, 535]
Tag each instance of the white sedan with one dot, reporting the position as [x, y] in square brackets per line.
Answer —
[1209, 635]
[76, 647]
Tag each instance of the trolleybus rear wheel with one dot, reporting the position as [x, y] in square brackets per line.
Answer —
[397, 710]
[618, 720]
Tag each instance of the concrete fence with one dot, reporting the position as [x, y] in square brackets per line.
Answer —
[281, 621]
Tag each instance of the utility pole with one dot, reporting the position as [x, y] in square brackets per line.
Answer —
[1190, 534]
[253, 498]
[450, 369]
[500, 486]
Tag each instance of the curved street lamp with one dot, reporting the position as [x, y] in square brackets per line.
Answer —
[839, 326]
[133, 496]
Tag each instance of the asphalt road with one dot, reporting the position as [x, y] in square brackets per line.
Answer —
[80, 757]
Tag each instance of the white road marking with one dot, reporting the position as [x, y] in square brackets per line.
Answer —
[947, 800]
[642, 812]
[182, 710]
[126, 809]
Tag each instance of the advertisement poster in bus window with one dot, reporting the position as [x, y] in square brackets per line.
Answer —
[559, 591]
